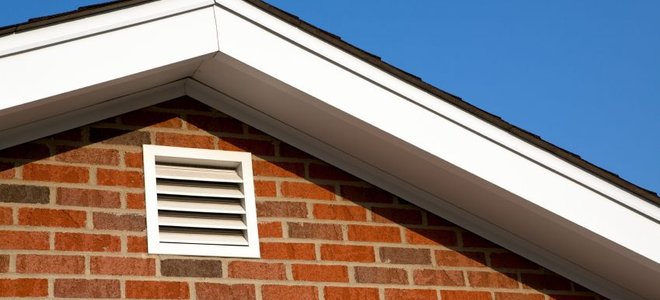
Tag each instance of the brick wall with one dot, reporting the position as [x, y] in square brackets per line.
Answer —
[72, 224]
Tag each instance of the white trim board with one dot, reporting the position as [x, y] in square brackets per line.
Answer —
[330, 89]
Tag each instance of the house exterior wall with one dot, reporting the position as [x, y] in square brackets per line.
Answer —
[72, 225]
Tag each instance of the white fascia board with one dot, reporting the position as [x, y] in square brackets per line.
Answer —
[75, 29]
[74, 63]
[443, 131]
[430, 102]
[323, 149]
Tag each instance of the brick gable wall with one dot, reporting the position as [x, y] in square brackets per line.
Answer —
[72, 225]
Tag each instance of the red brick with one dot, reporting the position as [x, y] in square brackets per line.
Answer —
[278, 169]
[350, 293]
[31, 151]
[549, 281]
[438, 277]
[399, 294]
[288, 292]
[123, 266]
[119, 178]
[157, 289]
[323, 273]
[214, 124]
[511, 261]
[136, 244]
[19, 193]
[85, 197]
[23, 287]
[6, 216]
[315, 231]
[433, 220]
[256, 270]
[367, 233]
[256, 147]
[347, 253]
[135, 201]
[152, 119]
[318, 171]
[405, 255]
[292, 152]
[25, 240]
[75, 135]
[133, 159]
[119, 136]
[492, 279]
[445, 238]
[464, 295]
[81, 288]
[7, 171]
[518, 296]
[55, 173]
[265, 188]
[119, 222]
[270, 229]
[471, 240]
[396, 215]
[217, 291]
[460, 258]
[203, 268]
[93, 156]
[290, 251]
[4, 263]
[87, 242]
[307, 191]
[381, 275]
[56, 264]
[365, 194]
[254, 131]
[184, 140]
[340, 212]
[52, 217]
[281, 209]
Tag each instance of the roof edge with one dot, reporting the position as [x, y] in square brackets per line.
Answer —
[523, 134]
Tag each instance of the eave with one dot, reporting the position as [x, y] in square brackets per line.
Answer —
[419, 145]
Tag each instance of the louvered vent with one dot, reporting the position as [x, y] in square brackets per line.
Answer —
[202, 205]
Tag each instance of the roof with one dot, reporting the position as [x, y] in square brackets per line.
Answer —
[335, 40]
[474, 169]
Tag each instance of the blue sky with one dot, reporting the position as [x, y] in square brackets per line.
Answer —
[584, 75]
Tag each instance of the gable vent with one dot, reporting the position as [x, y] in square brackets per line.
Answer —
[200, 202]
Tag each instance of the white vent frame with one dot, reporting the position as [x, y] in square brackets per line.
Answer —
[166, 154]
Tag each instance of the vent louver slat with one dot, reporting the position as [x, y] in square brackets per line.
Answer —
[197, 220]
[198, 189]
[200, 236]
[197, 173]
[200, 204]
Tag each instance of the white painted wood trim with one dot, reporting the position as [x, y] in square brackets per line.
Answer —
[440, 136]
[401, 188]
[412, 94]
[97, 24]
[97, 59]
